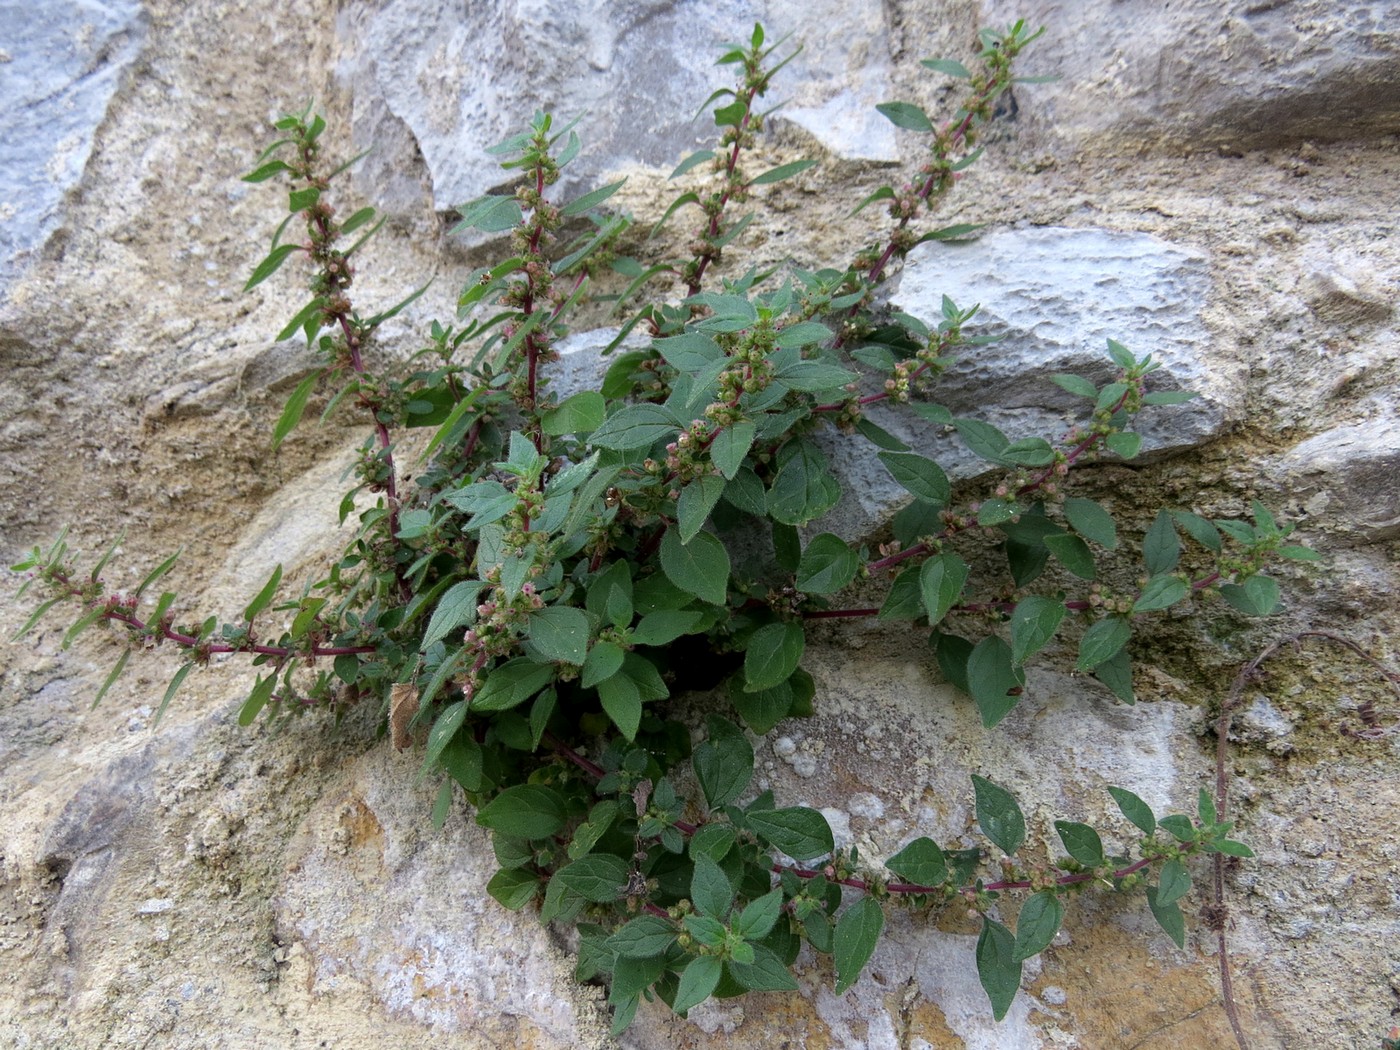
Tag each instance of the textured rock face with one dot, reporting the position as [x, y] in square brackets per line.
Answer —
[623, 67]
[1205, 74]
[208, 885]
[59, 66]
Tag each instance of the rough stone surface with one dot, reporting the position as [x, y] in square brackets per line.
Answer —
[1347, 476]
[60, 64]
[629, 66]
[1052, 297]
[1203, 74]
[213, 886]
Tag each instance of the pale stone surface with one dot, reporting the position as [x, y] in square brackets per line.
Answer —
[620, 67]
[60, 63]
[1347, 477]
[1203, 74]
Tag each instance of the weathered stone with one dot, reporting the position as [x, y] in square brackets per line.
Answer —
[1195, 74]
[377, 898]
[60, 63]
[621, 68]
[1053, 297]
[1345, 479]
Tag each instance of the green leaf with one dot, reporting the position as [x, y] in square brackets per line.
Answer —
[171, 690]
[1161, 549]
[762, 710]
[294, 409]
[445, 729]
[941, 582]
[636, 426]
[723, 763]
[266, 171]
[905, 599]
[592, 199]
[713, 840]
[270, 265]
[765, 974]
[730, 446]
[644, 937]
[1179, 827]
[991, 677]
[1174, 883]
[805, 488]
[999, 815]
[112, 677]
[773, 654]
[696, 502]
[857, 933]
[528, 811]
[1169, 397]
[454, 609]
[1161, 592]
[560, 633]
[1029, 452]
[1081, 842]
[666, 625]
[265, 595]
[921, 862]
[358, 219]
[700, 567]
[1233, 849]
[513, 888]
[806, 333]
[918, 475]
[1103, 640]
[1037, 924]
[998, 966]
[511, 684]
[827, 565]
[1117, 673]
[1092, 522]
[1169, 917]
[781, 172]
[905, 115]
[1258, 597]
[1125, 444]
[699, 979]
[698, 157]
[623, 702]
[1199, 529]
[1033, 623]
[257, 699]
[490, 214]
[759, 917]
[801, 833]
[710, 889]
[884, 193]
[598, 877]
[983, 439]
[305, 315]
[579, 414]
[947, 65]
[1135, 809]
[1076, 385]
[1297, 552]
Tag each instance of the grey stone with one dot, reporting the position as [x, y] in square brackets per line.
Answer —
[376, 897]
[1053, 297]
[60, 63]
[1345, 478]
[1202, 73]
[462, 78]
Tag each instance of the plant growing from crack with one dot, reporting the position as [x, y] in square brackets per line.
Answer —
[558, 565]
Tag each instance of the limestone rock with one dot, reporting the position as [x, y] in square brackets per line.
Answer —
[1345, 478]
[1053, 296]
[60, 63]
[620, 67]
[1201, 73]
[376, 898]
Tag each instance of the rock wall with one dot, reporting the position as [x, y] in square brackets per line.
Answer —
[1214, 183]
